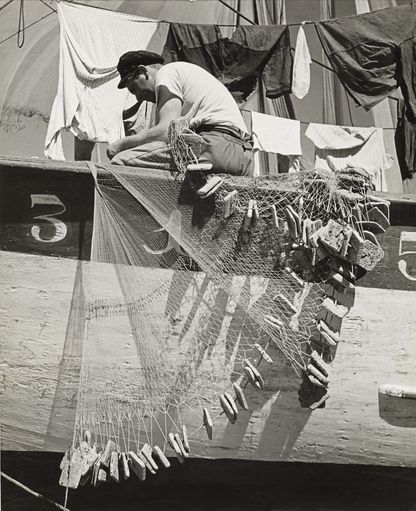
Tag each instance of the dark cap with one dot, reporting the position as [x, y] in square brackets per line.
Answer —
[130, 60]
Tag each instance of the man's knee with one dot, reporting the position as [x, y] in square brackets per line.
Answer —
[121, 158]
[116, 161]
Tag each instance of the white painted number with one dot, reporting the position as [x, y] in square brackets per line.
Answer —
[60, 229]
[173, 225]
[406, 237]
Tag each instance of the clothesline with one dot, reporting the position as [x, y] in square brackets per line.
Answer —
[148, 21]
[167, 22]
[217, 24]
[306, 22]
[306, 123]
[26, 27]
[49, 6]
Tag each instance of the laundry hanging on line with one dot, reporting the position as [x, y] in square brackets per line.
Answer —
[237, 62]
[301, 66]
[405, 140]
[374, 53]
[338, 147]
[88, 102]
[276, 134]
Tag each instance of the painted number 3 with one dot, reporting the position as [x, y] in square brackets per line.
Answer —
[59, 228]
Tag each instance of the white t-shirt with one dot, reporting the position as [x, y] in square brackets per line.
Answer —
[205, 100]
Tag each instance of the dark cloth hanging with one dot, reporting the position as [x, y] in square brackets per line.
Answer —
[374, 53]
[405, 140]
[239, 61]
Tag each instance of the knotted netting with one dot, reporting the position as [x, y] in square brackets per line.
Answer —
[185, 300]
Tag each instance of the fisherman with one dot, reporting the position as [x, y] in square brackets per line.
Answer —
[181, 89]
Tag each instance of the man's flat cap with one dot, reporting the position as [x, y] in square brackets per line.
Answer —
[128, 63]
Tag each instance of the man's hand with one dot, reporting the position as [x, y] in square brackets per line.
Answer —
[113, 149]
[168, 108]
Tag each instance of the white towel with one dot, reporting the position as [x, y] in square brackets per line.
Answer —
[338, 147]
[88, 102]
[326, 136]
[275, 134]
[301, 76]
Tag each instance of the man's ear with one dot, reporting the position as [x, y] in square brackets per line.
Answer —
[143, 71]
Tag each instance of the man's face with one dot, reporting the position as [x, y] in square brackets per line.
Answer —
[141, 86]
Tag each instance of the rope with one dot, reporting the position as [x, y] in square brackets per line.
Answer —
[6, 4]
[49, 6]
[236, 12]
[34, 493]
[21, 27]
[306, 123]
[26, 27]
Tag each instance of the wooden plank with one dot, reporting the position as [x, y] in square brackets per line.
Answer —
[41, 356]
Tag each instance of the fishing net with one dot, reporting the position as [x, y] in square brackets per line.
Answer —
[190, 297]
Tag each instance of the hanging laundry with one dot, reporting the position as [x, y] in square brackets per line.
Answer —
[237, 61]
[276, 134]
[405, 140]
[88, 102]
[301, 77]
[374, 53]
[338, 147]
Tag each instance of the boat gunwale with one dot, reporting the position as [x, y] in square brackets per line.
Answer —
[81, 167]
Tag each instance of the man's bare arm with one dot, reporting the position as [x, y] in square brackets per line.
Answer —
[169, 107]
[131, 111]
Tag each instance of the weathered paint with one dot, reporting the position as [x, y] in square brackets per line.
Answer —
[43, 194]
[41, 354]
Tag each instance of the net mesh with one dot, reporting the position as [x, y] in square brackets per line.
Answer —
[184, 294]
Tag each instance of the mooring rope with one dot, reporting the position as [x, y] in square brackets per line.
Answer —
[34, 493]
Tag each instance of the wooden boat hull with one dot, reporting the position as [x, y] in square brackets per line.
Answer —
[41, 352]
